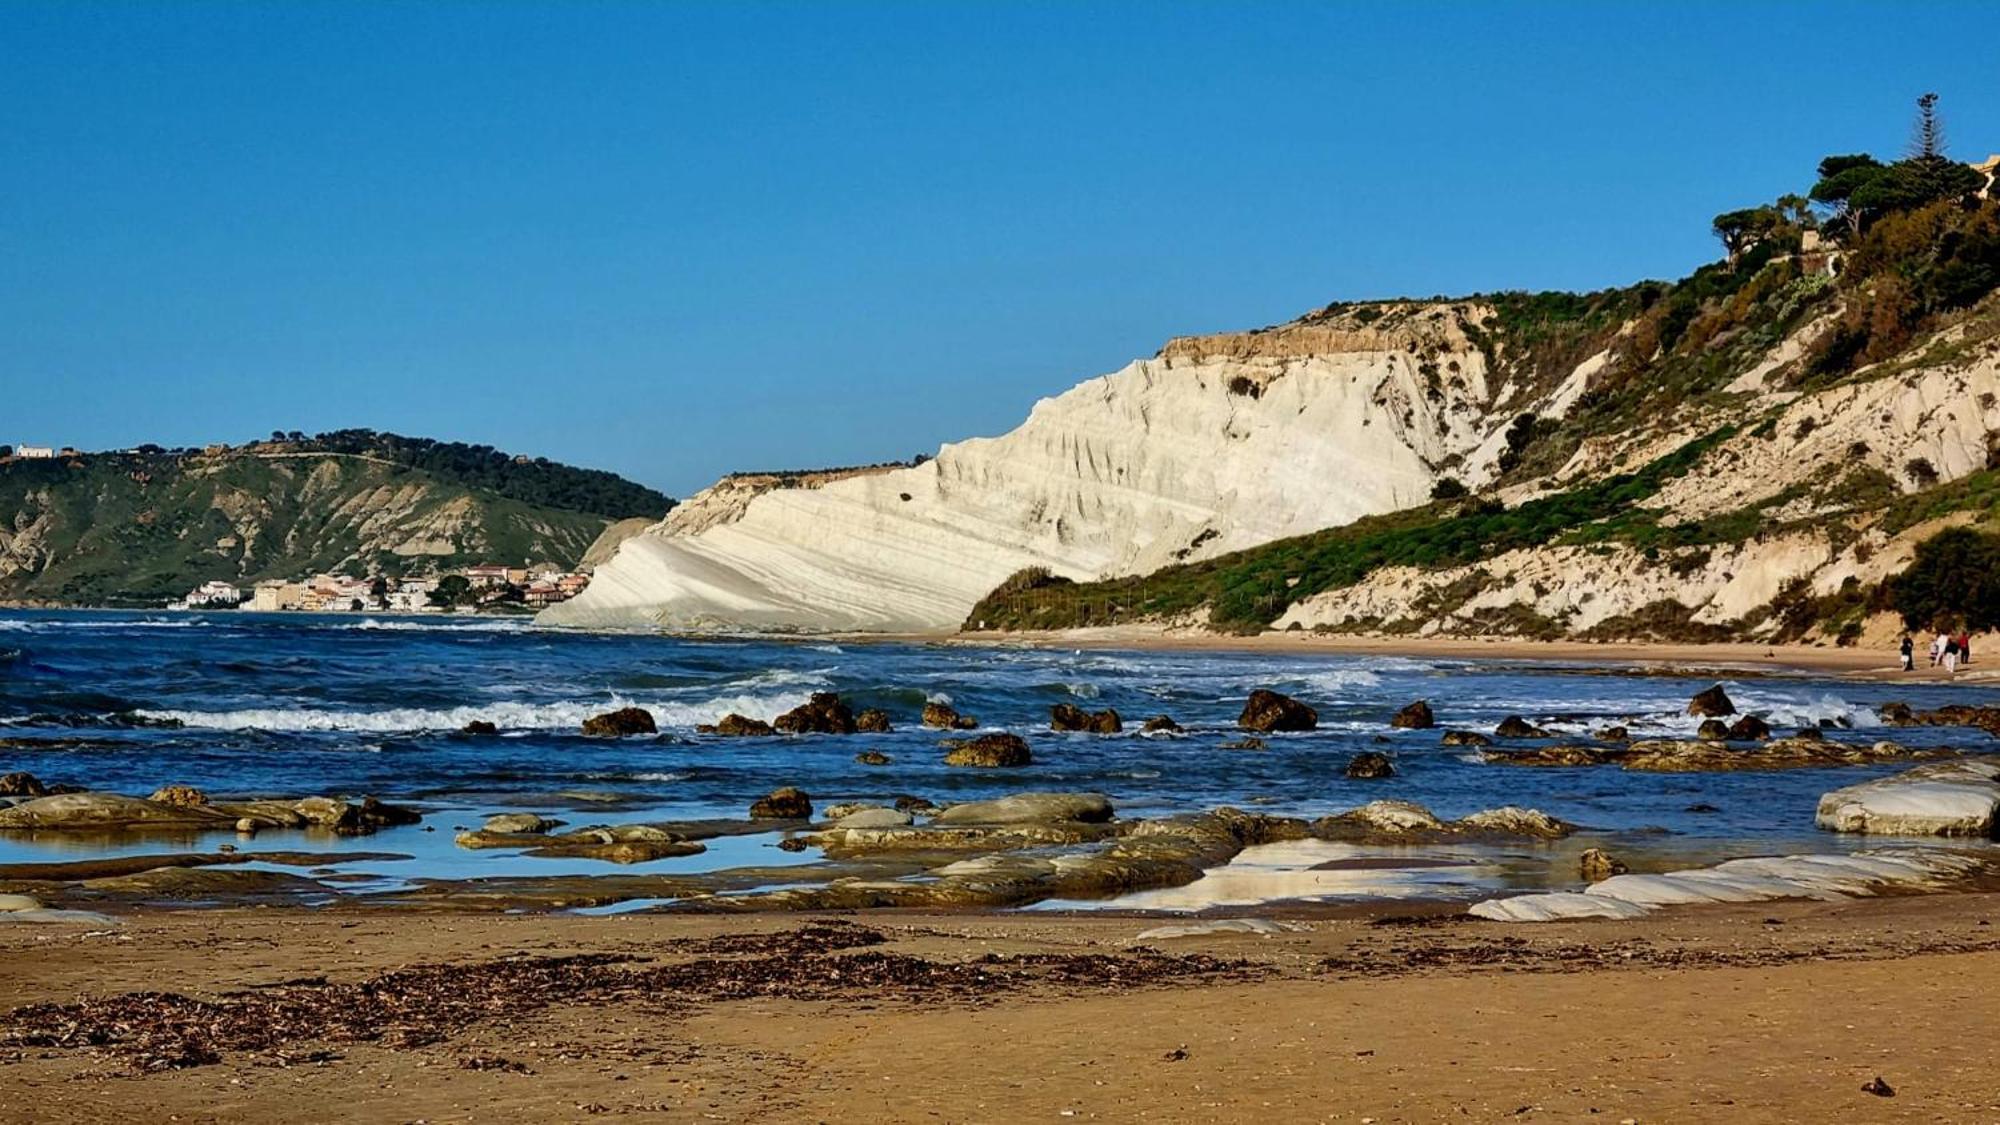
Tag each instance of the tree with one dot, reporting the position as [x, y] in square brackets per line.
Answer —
[1449, 488]
[1927, 133]
[1955, 576]
[451, 590]
[1741, 230]
[379, 589]
[1839, 178]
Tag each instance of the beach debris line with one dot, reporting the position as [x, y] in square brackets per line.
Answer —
[423, 1005]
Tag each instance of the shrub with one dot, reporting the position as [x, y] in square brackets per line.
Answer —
[1954, 576]
[1449, 488]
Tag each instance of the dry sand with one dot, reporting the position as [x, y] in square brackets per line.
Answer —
[1778, 1012]
[1856, 663]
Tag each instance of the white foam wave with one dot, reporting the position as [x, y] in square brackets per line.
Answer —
[567, 715]
[440, 625]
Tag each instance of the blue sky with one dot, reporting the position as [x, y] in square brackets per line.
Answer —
[678, 239]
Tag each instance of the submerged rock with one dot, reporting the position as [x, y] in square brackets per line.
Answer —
[874, 720]
[1070, 717]
[1369, 766]
[1415, 716]
[1596, 865]
[479, 727]
[521, 822]
[619, 723]
[787, 803]
[1246, 744]
[1514, 726]
[944, 717]
[1711, 703]
[872, 758]
[1566, 755]
[1464, 738]
[1030, 808]
[1960, 798]
[1613, 734]
[995, 751]
[1688, 756]
[823, 713]
[1160, 724]
[734, 725]
[1268, 711]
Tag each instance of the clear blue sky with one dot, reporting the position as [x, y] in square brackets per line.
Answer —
[676, 239]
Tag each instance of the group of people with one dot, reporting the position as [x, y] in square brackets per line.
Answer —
[1948, 650]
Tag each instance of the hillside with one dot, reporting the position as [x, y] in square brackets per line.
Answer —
[1755, 450]
[141, 526]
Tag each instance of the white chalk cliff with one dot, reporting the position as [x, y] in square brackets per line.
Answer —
[1218, 443]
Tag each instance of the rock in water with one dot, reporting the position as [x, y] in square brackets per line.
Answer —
[1711, 703]
[1597, 865]
[736, 726]
[1369, 766]
[521, 823]
[991, 751]
[1069, 717]
[1464, 738]
[1714, 730]
[1958, 798]
[787, 803]
[1514, 726]
[943, 717]
[21, 785]
[180, 796]
[479, 727]
[872, 721]
[1416, 716]
[1268, 711]
[624, 721]
[824, 713]
[1161, 724]
[872, 758]
[1030, 808]
[1613, 734]
[1749, 728]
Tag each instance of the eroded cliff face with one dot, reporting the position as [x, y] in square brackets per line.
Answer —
[1218, 443]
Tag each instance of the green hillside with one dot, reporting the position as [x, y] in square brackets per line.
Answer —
[142, 526]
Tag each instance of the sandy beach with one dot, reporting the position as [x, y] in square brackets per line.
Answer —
[1859, 663]
[1774, 1012]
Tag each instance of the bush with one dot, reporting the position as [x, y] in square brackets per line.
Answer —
[1954, 577]
[1449, 488]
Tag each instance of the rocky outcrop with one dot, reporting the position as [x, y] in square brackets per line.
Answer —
[1029, 808]
[734, 725]
[1960, 798]
[1712, 702]
[1070, 717]
[991, 751]
[617, 724]
[787, 803]
[942, 716]
[1708, 755]
[1514, 726]
[1369, 766]
[1414, 716]
[1824, 877]
[823, 713]
[1267, 711]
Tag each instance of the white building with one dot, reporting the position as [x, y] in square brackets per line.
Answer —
[35, 452]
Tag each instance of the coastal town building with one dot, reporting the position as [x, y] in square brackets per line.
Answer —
[34, 452]
[534, 588]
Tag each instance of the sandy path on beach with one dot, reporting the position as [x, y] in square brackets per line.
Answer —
[1720, 1014]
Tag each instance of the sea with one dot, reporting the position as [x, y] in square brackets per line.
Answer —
[241, 704]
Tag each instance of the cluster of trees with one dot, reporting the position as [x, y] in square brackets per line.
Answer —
[531, 480]
[1855, 190]
[1954, 580]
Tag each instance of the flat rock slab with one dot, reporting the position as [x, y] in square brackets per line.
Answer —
[1958, 798]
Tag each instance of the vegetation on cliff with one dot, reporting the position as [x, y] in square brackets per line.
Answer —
[140, 526]
[1884, 269]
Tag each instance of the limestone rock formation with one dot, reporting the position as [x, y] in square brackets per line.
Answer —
[1267, 711]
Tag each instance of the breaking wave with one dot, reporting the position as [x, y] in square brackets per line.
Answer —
[564, 716]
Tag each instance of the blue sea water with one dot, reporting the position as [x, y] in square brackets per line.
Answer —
[292, 704]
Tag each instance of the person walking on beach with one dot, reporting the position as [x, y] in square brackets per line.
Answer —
[1909, 660]
[1965, 646]
[1951, 655]
[1937, 649]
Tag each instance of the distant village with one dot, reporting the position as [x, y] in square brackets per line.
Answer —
[483, 587]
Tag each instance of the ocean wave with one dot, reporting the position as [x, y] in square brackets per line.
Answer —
[443, 625]
[562, 716]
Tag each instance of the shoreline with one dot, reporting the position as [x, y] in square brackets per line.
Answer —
[1703, 1014]
[1624, 656]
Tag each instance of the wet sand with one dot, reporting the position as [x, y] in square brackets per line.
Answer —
[1855, 663]
[1774, 1012]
